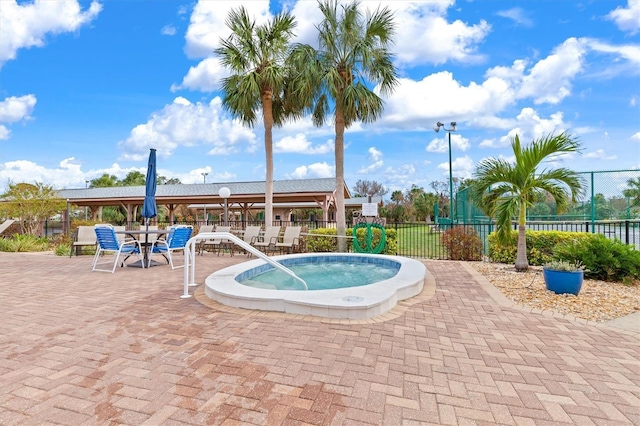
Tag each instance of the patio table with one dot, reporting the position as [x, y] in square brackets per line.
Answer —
[135, 234]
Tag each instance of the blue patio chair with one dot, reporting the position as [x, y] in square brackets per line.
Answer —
[176, 240]
[108, 242]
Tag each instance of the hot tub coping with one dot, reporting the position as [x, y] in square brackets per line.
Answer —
[377, 298]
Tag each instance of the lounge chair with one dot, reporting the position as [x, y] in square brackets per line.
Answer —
[251, 235]
[176, 240]
[203, 229]
[108, 242]
[84, 236]
[217, 243]
[290, 240]
[269, 239]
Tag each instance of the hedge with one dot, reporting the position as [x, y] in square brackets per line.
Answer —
[317, 242]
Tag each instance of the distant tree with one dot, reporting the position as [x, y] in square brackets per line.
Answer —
[105, 181]
[134, 178]
[31, 204]
[423, 205]
[505, 190]
[339, 78]
[365, 188]
[633, 191]
[255, 56]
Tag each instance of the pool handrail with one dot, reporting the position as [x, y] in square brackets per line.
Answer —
[190, 255]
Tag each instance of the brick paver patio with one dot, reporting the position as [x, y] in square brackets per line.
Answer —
[80, 347]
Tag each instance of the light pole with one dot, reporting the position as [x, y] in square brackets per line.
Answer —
[204, 178]
[452, 129]
[86, 208]
[225, 193]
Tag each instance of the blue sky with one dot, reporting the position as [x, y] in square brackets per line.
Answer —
[87, 87]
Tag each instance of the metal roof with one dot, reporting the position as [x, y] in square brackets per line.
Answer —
[253, 192]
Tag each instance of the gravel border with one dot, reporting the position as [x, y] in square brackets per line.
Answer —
[598, 301]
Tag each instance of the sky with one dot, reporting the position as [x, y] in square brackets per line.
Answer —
[88, 87]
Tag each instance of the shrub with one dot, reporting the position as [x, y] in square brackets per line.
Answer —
[540, 246]
[62, 250]
[564, 266]
[24, 243]
[462, 243]
[318, 242]
[605, 259]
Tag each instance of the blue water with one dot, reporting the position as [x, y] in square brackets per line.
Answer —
[323, 276]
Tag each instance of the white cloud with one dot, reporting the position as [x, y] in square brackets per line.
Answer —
[518, 15]
[207, 24]
[375, 157]
[599, 154]
[550, 79]
[169, 30]
[316, 170]
[427, 37]
[442, 145]
[16, 108]
[627, 19]
[462, 167]
[205, 76]
[67, 174]
[438, 96]
[26, 25]
[300, 145]
[183, 123]
[635, 137]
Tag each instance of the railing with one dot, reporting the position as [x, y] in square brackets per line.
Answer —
[190, 253]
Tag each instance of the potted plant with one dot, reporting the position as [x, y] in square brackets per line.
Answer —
[561, 276]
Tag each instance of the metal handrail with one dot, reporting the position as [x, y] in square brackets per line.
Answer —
[190, 253]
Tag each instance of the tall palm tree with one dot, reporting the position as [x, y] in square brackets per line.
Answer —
[505, 190]
[255, 55]
[352, 56]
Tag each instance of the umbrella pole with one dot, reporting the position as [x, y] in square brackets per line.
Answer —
[146, 243]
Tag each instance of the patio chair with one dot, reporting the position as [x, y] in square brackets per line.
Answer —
[176, 240]
[203, 229]
[84, 236]
[251, 235]
[269, 239]
[108, 242]
[218, 243]
[290, 240]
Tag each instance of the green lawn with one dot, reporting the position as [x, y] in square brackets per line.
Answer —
[419, 241]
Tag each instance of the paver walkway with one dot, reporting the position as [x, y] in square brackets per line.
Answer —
[80, 347]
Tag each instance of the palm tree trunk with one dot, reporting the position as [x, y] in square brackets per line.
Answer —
[522, 263]
[268, 149]
[339, 153]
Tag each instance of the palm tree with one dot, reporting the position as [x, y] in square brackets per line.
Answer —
[633, 191]
[255, 55]
[505, 190]
[352, 56]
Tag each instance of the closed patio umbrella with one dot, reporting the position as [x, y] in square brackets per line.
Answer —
[149, 208]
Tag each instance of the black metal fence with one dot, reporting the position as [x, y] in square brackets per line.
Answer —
[424, 240]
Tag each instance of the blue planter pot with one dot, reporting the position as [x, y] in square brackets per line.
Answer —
[562, 282]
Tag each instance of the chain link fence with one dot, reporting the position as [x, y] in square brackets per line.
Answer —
[604, 199]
